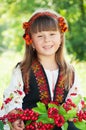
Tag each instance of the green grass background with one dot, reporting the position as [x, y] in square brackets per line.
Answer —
[9, 59]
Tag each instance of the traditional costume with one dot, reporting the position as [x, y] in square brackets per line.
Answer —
[43, 86]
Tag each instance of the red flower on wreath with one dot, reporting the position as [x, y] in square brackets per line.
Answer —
[62, 24]
[27, 38]
[25, 25]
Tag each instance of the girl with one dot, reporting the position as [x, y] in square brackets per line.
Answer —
[43, 75]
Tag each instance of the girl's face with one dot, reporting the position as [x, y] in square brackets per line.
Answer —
[46, 43]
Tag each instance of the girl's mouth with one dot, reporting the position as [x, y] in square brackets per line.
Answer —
[48, 46]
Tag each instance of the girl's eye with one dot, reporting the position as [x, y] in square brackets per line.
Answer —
[40, 36]
[52, 34]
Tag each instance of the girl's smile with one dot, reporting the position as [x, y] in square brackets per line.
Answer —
[46, 47]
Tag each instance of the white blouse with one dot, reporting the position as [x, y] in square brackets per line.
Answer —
[52, 77]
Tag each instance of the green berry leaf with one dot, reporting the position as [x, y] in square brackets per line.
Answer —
[76, 100]
[1, 125]
[62, 111]
[81, 125]
[41, 108]
[28, 122]
[45, 119]
[65, 126]
[51, 105]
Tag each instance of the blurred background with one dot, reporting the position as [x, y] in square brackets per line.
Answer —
[14, 12]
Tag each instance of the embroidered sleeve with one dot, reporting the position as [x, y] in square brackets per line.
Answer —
[75, 89]
[14, 94]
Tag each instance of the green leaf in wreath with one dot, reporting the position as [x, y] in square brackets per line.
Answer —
[1, 125]
[65, 126]
[45, 119]
[81, 125]
[41, 108]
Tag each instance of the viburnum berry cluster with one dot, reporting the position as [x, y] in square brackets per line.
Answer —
[29, 115]
[58, 119]
[81, 115]
[39, 126]
[25, 115]
[45, 118]
[68, 105]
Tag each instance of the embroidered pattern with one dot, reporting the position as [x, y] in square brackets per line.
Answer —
[42, 85]
[41, 81]
[9, 99]
[59, 93]
[15, 95]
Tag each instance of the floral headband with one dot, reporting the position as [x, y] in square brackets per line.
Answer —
[27, 25]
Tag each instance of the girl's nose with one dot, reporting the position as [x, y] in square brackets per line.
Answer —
[46, 38]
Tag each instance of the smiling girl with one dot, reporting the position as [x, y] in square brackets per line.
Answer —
[43, 75]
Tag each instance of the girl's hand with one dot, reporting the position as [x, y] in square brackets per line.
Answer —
[71, 119]
[18, 125]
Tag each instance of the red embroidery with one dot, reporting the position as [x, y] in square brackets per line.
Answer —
[41, 81]
[8, 100]
[19, 92]
[59, 95]
[42, 85]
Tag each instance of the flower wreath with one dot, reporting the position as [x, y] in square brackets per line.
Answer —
[54, 115]
[26, 25]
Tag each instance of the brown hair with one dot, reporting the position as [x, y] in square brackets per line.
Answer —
[46, 23]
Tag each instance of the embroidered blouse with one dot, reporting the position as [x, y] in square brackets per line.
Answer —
[14, 95]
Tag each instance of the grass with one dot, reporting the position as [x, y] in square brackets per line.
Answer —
[9, 59]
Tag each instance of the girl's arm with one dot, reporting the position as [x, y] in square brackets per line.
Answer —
[14, 94]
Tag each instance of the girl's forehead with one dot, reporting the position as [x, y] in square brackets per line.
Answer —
[48, 31]
[45, 32]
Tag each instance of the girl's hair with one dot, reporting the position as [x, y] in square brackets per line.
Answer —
[46, 23]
